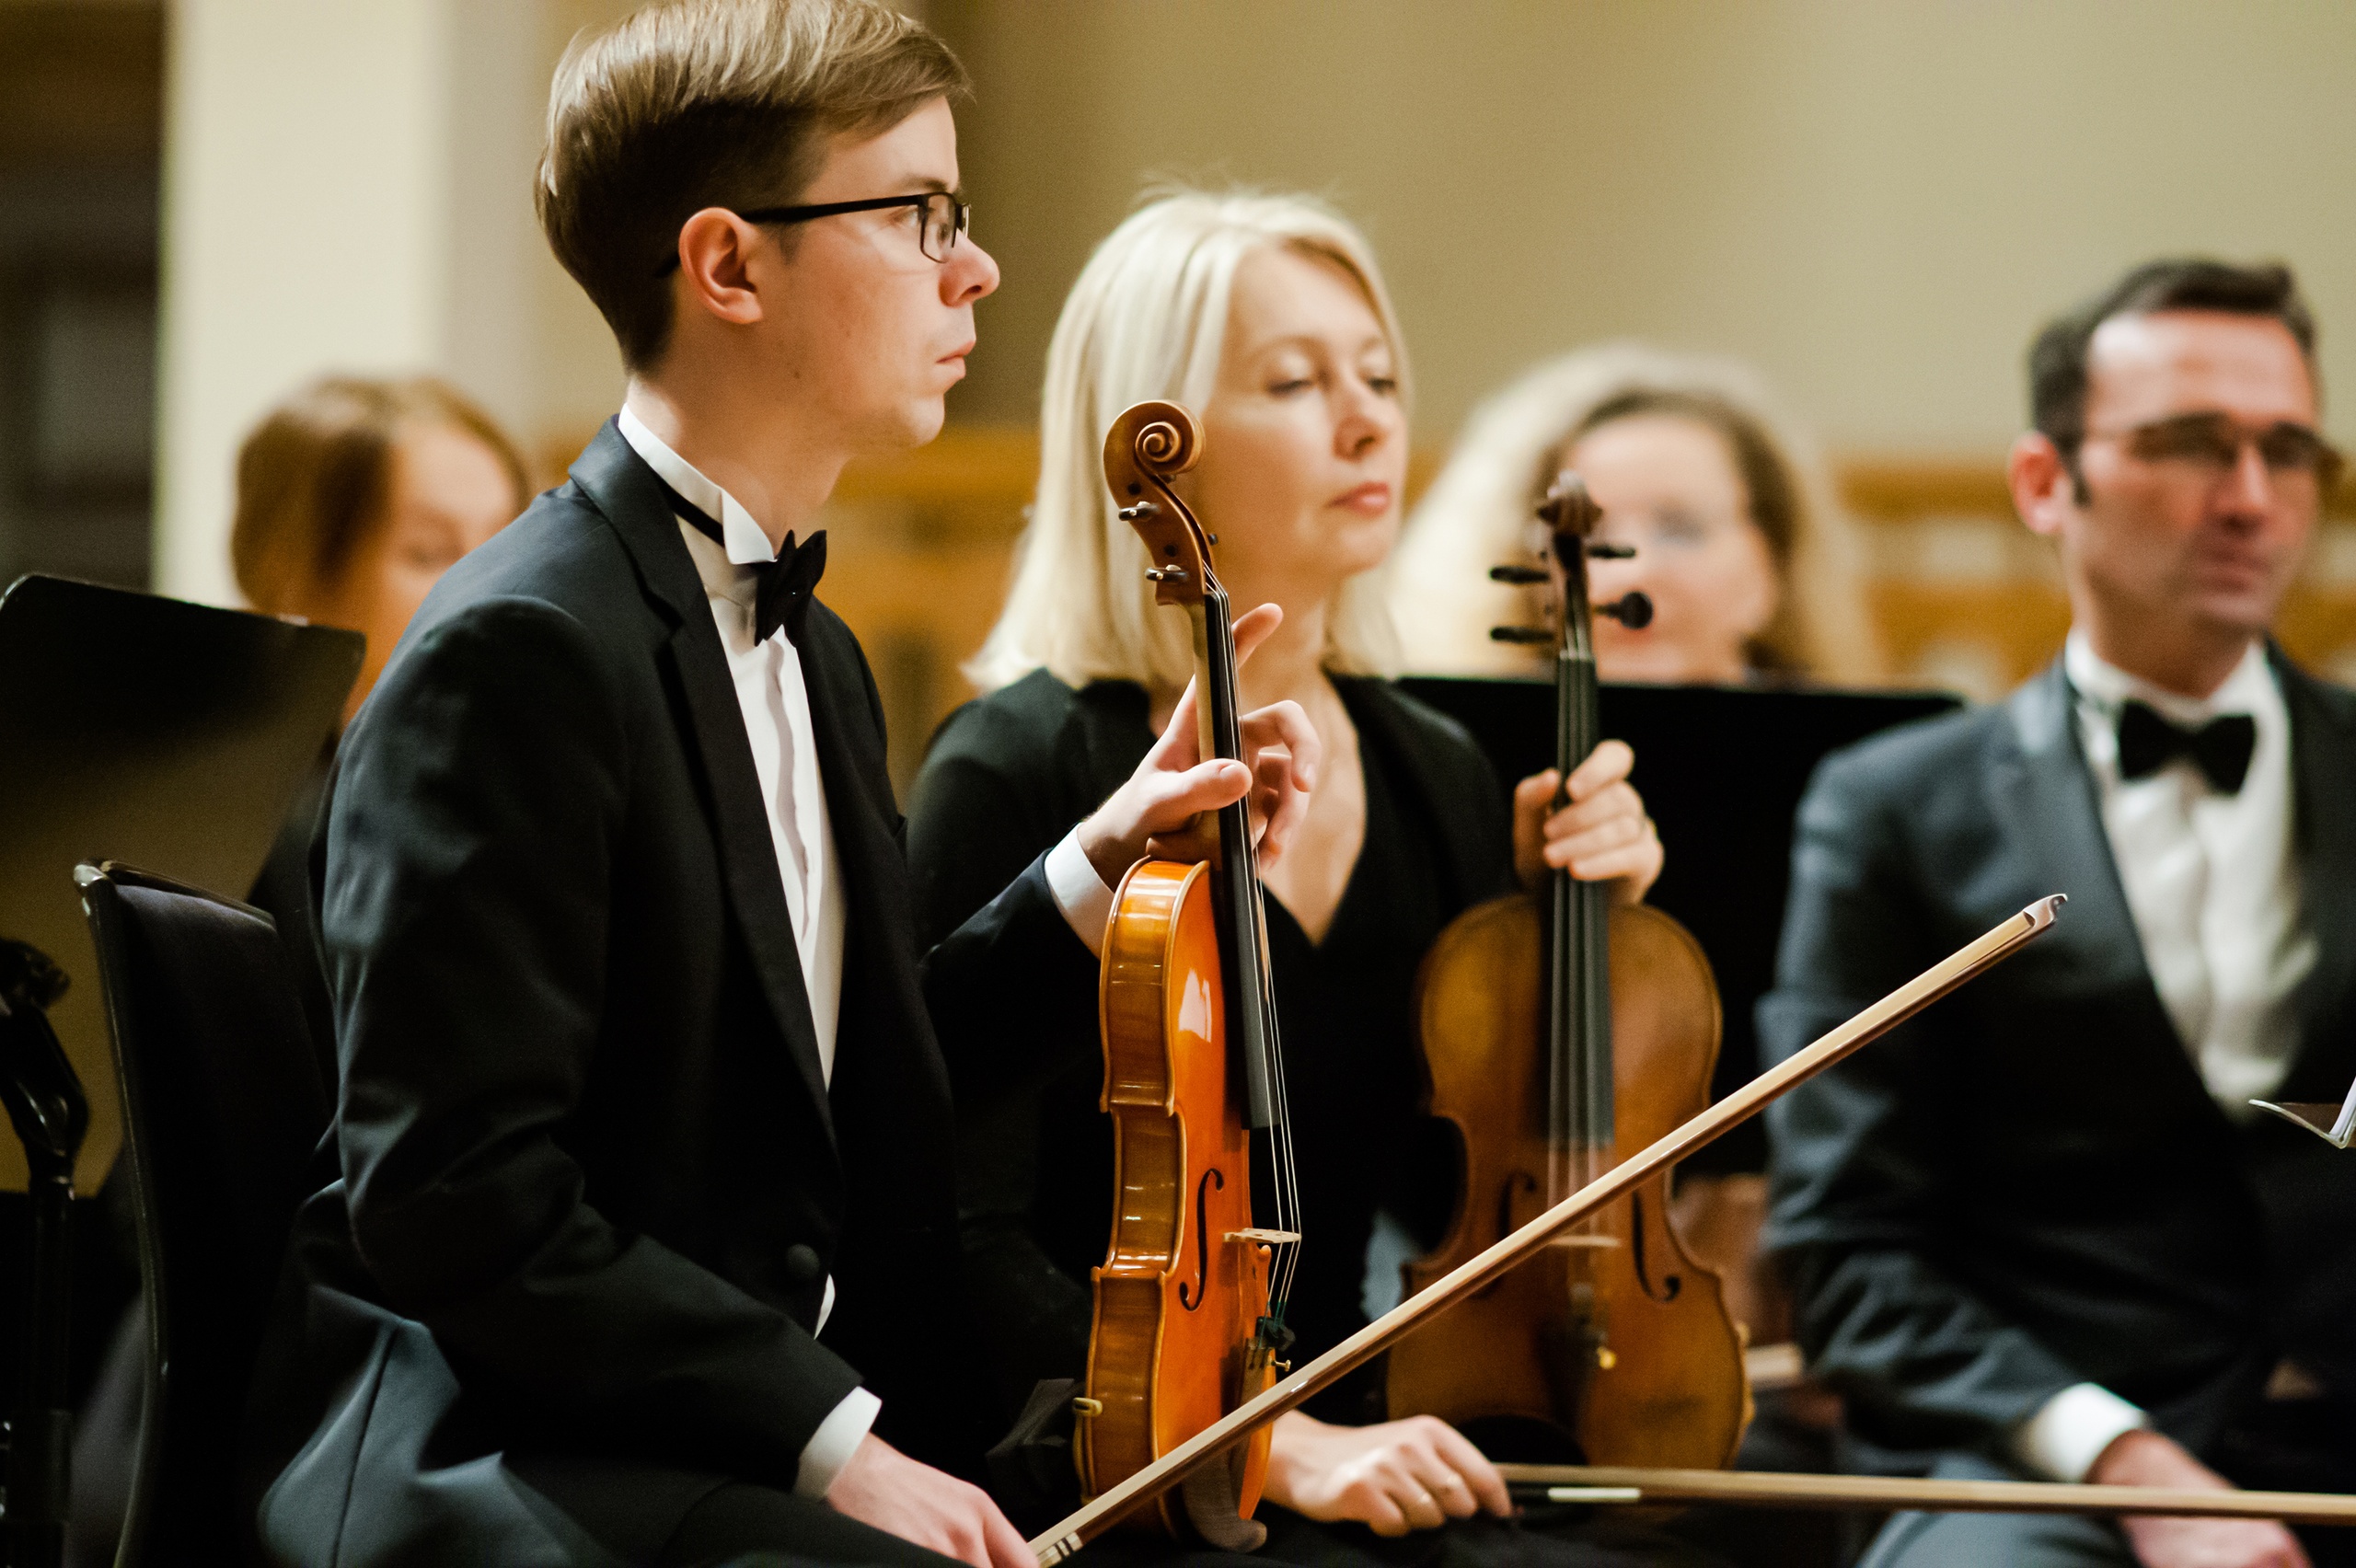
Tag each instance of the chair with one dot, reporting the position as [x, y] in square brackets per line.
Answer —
[222, 1110]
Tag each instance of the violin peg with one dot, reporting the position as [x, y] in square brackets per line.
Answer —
[1165, 574]
[1632, 610]
[1519, 634]
[1516, 574]
[1598, 551]
[1140, 512]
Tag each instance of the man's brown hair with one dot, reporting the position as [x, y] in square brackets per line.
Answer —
[315, 474]
[711, 103]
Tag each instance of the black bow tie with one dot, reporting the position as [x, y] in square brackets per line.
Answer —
[2222, 747]
[786, 583]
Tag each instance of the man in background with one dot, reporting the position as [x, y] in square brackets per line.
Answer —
[2041, 1231]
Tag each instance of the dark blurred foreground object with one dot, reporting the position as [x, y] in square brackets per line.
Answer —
[158, 732]
[170, 733]
[223, 1108]
[51, 1113]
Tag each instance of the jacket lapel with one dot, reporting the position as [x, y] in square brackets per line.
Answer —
[625, 490]
[2046, 793]
[847, 727]
[2323, 774]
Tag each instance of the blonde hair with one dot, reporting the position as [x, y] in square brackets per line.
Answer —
[315, 476]
[1477, 513]
[1148, 318]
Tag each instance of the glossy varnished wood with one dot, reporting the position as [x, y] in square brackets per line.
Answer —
[1612, 1336]
[1176, 1302]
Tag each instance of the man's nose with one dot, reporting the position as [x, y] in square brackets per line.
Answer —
[2250, 490]
[970, 273]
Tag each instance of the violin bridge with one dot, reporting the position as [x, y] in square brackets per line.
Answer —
[1271, 1238]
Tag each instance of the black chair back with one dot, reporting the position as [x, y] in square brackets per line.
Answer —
[221, 1109]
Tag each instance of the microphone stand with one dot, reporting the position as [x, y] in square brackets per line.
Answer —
[52, 1114]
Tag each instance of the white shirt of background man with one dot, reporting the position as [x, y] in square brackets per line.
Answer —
[776, 705]
[2212, 885]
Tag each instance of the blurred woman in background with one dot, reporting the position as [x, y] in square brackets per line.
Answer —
[354, 495]
[1749, 566]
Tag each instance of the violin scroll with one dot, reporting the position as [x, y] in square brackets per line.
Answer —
[1150, 444]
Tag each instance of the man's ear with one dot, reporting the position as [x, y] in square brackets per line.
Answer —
[714, 276]
[2044, 492]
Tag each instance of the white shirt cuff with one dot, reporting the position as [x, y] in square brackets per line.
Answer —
[831, 1447]
[2070, 1431]
[1080, 894]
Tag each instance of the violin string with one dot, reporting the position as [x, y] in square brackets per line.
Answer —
[1284, 1174]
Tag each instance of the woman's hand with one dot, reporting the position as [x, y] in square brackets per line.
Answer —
[1173, 785]
[1398, 1476]
[1603, 836]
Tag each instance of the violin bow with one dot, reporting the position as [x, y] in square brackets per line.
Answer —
[1101, 1512]
[1766, 1489]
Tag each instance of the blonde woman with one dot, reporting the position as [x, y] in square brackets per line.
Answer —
[1739, 546]
[1266, 315]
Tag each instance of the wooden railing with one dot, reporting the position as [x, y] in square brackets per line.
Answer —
[1962, 594]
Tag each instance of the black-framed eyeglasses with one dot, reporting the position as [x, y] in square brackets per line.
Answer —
[2212, 445]
[944, 218]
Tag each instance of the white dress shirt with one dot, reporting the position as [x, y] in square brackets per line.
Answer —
[776, 705]
[2211, 879]
[2212, 885]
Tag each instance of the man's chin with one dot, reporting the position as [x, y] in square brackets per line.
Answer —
[911, 425]
[2246, 612]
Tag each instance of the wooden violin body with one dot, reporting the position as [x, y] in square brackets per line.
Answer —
[1611, 1336]
[1186, 1280]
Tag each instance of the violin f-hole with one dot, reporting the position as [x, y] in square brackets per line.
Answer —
[1669, 1284]
[1212, 1182]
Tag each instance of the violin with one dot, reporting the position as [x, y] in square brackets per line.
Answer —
[1561, 1035]
[1188, 1317]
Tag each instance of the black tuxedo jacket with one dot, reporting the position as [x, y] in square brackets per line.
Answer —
[2028, 1186]
[587, 1178]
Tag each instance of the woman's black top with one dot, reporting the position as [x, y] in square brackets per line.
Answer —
[1007, 778]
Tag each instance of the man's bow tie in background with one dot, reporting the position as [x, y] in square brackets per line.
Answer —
[2148, 743]
[786, 583]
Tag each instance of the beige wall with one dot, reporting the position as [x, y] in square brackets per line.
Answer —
[1874, 201]
[348, 188]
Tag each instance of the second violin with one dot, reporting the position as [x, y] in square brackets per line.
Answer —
[1562, 1035]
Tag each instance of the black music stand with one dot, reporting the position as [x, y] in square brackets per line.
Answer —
[168, 734]
[1722, 770]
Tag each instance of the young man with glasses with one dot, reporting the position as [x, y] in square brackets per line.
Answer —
[636, 1238]
[2045, 1233]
